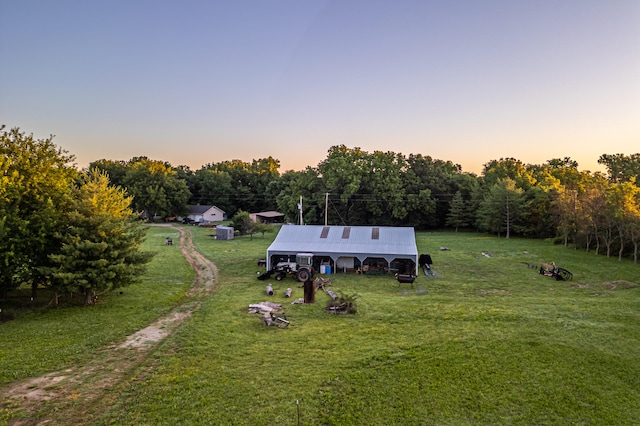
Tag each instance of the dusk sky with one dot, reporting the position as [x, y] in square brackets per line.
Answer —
[197, 82]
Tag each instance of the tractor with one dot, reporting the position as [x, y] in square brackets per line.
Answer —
[302, 269]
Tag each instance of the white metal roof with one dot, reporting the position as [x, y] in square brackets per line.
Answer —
[353, 241]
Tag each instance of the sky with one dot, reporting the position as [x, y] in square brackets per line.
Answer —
[195, 82]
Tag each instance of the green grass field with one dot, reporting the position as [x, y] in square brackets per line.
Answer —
[488, 340]
[42, 338]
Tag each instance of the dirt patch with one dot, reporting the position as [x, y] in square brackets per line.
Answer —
[156, 331]
[36, 389]
[71, 393]
[619, 285]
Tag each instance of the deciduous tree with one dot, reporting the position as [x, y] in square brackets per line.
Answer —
[116, 170]
[623, 201]
[382, 194]
[565, 213]
[213, 187]
[591, 218]
[500, 209]
[308, 185]
[249, 183]
[508, 168]
[35, 183]
[155, 188]
[342, 173]
[242, 222]
[441, 178]
[622, 168]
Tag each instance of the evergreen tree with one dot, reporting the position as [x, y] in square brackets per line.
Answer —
[101, 246]
[459, 215]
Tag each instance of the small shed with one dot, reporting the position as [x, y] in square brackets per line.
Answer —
[267, 217]
[224, 232]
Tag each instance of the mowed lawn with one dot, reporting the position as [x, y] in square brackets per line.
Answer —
[42, 337]
[488, 340]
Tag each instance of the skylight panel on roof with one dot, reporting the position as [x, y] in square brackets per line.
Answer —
[325, 232]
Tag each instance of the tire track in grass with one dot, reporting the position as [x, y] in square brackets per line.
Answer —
[74, 395]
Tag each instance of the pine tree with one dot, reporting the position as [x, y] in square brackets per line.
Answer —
[101, 246]
[458, 216]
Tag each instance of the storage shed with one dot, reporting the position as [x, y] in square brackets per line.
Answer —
[358, 249]
[267, 217]
[224, 232]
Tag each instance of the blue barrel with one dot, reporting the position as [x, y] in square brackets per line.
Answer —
[328, 269]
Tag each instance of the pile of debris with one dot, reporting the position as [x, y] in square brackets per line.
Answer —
[322, 284]
[343, 304]
[271, 313]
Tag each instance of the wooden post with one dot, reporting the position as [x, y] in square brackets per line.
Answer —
[309, 292]
[269, 290]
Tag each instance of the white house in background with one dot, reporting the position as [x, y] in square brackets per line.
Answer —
[199, 213]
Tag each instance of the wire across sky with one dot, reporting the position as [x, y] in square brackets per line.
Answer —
[197, 82]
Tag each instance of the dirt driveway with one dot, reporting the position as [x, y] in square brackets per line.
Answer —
[72, 394]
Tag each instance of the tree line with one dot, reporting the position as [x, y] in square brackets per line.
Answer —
[48, 204]
[593, 211]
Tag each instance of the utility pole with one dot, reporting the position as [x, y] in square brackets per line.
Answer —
[326, 207]
[300, 208]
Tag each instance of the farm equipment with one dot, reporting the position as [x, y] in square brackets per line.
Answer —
[302, 269]
[406, 278]
[551, 270]
[425, 261]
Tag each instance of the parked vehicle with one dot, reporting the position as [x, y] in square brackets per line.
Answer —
[302, 269]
